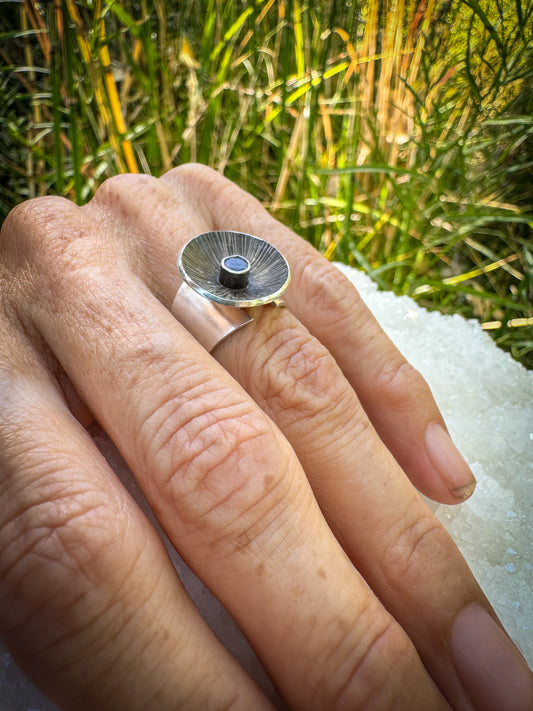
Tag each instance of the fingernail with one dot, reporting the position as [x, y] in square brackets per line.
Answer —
[492, 671]
[448, 462]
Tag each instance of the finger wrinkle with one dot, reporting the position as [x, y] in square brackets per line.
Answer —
[212, 459]
[356, 658]
[324, 290]
[65, 566]
[169, 386]
[353, 691]
[212, 442]
[294, 368]
[26, 457]
[366, 680]
[222, 468]
[268, 513]
[297, 382]
[52, 237]
[302, 377]
[71, 529]
[102, 624]
[417, 543]
[172, 427]
[401, 384]
[31, 490]
[281, 361]
[116, 615]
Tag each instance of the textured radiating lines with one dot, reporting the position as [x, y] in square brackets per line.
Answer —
[200, 259]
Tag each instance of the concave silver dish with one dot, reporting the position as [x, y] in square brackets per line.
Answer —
[199, 265]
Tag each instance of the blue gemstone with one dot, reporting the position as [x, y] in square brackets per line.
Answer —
[236, 263]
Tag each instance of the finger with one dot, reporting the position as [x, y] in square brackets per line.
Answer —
[400, 547]
[89, 602]
[395, 396]
[223, 481]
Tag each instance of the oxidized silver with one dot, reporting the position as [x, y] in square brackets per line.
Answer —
[223, 273]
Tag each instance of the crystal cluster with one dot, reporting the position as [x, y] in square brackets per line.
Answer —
[486, 399]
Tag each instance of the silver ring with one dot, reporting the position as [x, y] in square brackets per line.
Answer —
[224, 273]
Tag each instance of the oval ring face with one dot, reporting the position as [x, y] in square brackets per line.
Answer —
[203, 265]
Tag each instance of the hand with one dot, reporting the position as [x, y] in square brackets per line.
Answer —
[272, 467]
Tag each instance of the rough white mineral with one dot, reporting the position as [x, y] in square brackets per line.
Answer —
[487, 401]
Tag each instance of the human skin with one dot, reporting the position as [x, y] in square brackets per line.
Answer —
[281, 467]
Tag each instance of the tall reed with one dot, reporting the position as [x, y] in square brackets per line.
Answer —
[396, 136]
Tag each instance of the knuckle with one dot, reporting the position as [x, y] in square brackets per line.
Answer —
[44, 540]
[193, 175]
[297, 373]
[32, 228]
[219, 463]
[328, 291]
[213, 442]
[401, 384]
[412, 547]
[35, 248]
[50, 247]
[128, 190]
[46, 242]
[221, 199]
[360, 669]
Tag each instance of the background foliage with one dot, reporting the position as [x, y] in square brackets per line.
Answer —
[396, 136]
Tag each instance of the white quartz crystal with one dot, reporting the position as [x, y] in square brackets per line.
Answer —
[487, 401]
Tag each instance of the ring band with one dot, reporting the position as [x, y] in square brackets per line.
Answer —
[223, 273]
[208, 322]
